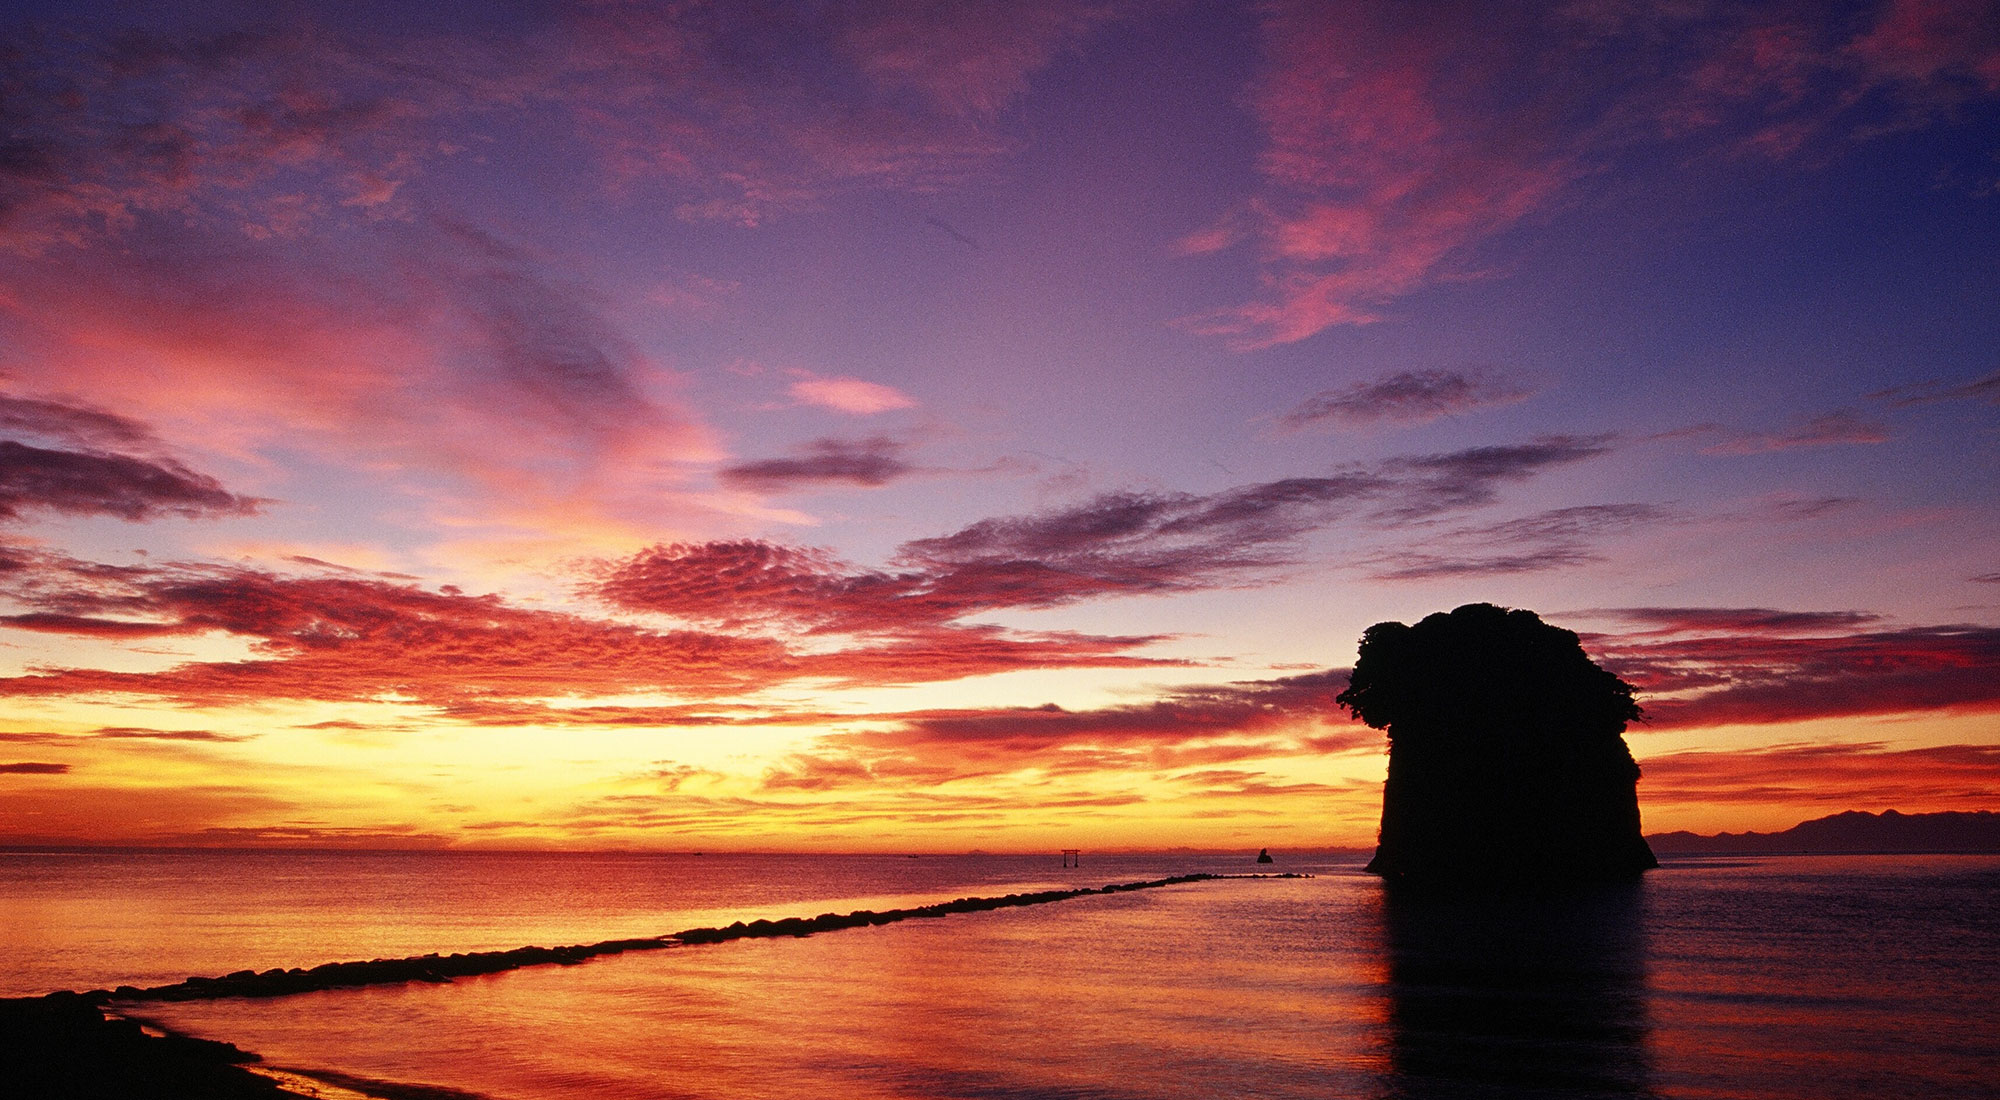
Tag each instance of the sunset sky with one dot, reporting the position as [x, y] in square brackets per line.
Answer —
[918, 426]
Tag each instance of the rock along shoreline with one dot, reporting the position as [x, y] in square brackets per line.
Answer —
[63, 1041]
[443, 968]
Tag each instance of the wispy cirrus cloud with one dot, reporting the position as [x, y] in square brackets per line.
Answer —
[141, 733]
[30, 767]
[1400, 143]
[1731, 620]
[1190, 727]
[338, 638]
[1985, 389]
[92, 626]
[1116, 543]
[760, 110]
[345, 635]
[125, 733]
[478, 367]
[543, 352]
[1147, 540]
[1561, 538]
[1112, 544]
[1836, 776]
[868, 463]
[276, 128]
[1472, 477]
[1718, 675]
[173, 191]
[354, 638]
[1842, 427]
[1407, 397]
[1298, 704]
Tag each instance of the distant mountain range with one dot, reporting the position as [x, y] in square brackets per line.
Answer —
[1853, 831]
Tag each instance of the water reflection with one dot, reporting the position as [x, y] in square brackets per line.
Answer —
[1498, 995]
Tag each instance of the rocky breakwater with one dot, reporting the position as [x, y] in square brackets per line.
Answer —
[64, 1046]
[444, 968]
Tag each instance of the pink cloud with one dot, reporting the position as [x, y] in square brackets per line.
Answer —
[1932, 42]
[850, 395]
[433, 353]
[347, 636]
[1112, 544]
[1400, 143]
[1379, 173]
[184, 189]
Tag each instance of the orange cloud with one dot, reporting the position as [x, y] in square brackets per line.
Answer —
[1795, 782]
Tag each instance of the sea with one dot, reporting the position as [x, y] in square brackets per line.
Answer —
[1823, 977]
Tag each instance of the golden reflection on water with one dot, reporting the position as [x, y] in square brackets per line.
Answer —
[1144, 994]
[1831, 979]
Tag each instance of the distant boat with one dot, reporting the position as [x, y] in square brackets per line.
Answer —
[1264, 855]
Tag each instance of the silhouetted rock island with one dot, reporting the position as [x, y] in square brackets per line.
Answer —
[1507, 760]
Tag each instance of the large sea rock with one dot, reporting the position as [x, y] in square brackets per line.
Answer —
[1507, 760]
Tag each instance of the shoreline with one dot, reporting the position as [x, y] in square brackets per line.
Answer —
[81, 1045]
[443, 968]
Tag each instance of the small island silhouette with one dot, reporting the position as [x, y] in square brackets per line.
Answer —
[1507, 760]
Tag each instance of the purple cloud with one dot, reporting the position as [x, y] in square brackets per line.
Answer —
[869, 463]
[1834, 429]
[1985, 389]
[83, 484]
[1735, 620]
[1770, 676]
[1409, 397]
[1472, 477]
[66, 424]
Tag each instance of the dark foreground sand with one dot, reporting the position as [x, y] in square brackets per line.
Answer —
[62, 1045]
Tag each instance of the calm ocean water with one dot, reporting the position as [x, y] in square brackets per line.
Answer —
[1823, 977]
